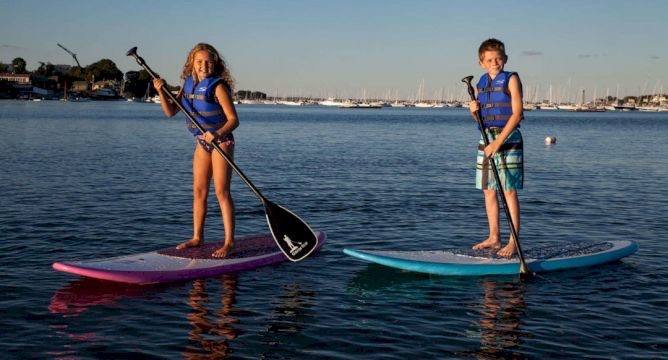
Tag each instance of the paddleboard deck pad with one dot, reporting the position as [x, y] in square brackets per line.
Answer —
[249, 252]
[469, 262]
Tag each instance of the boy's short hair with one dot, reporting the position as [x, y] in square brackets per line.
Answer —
[492, 45]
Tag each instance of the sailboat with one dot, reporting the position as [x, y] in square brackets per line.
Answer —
[549, 105]
[330, 102]
[64, 92]
[583, 108]
[420, 103]
[148, 89]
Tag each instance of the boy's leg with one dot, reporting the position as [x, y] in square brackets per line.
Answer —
[514, 208]
[492, 209]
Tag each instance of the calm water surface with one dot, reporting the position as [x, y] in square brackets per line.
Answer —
[90, 180]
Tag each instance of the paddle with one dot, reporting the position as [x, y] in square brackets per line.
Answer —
[293, 236]
[524, 269]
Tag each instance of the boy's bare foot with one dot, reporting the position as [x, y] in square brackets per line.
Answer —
[223, 251]
[190, 243]
[489, 243]
[508, 250]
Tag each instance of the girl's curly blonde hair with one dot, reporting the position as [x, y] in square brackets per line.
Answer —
[219, 69]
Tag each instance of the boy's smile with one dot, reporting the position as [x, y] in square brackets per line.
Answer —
[492, 62]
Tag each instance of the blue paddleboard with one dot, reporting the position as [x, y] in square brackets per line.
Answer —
[468, 262]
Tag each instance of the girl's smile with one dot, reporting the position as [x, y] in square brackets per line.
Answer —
[203, 64]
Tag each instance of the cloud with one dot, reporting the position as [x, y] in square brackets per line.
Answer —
[532, 53]
[7, 46]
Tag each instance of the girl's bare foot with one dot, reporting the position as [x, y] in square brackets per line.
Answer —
[190, 243]
[489, 243]
[223, 251]
[508, 250]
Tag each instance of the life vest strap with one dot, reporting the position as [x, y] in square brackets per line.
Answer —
[495, 117]
[195, 97]
[208, 113]
[492, 89]
[501, 104]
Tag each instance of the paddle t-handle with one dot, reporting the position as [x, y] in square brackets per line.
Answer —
[292, 234]
[524, 269]
[140, 60]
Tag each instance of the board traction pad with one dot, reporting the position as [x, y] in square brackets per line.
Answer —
[243, 247]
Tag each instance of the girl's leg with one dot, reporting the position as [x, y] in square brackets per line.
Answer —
[201, 177]
[514, 208]
[222, 174]
[492, 209]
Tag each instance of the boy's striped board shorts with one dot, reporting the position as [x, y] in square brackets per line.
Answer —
[509, 162]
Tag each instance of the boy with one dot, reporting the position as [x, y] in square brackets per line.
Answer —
[500, 104]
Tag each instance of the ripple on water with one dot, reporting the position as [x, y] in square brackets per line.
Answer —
[90, 185]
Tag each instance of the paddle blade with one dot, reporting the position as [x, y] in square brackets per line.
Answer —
[293, 236]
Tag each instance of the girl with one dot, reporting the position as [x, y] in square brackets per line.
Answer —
[206, 94]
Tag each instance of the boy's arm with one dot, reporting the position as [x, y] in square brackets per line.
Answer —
[515, 88]
[474, 105]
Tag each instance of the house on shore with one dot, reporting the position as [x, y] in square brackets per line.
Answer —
[23, 79]
[80, 87]
[17, 86]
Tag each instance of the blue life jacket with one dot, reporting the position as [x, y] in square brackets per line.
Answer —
[495, 101]
[200, 101]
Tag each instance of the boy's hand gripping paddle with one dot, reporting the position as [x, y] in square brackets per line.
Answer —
[293, 236]
[524, 269]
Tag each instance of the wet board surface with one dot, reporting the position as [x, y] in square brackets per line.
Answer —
[249, 252]
[468, 262]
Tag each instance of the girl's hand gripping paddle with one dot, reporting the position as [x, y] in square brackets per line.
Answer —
[292, 234]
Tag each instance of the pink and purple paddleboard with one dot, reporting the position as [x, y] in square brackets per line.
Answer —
[249, 252]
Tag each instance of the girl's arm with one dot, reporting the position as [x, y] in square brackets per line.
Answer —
[515, 87]
[225, 101]
[169, 108]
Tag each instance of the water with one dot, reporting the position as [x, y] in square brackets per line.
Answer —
[89, 180]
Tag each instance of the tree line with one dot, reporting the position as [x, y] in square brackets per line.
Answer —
[58, 77]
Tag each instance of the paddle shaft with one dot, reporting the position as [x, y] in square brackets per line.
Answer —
[292, 235]
[524, 269]
[171, 97]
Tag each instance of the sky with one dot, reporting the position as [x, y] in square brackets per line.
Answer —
[351, 48]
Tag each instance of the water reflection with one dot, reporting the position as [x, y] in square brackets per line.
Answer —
[501, 311]
[82, 294]
[377, 277]
[496, 313]
[210, 330]
[211, 333]
[77, 297]
[289, 316]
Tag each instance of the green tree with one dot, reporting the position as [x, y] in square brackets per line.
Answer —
[627, 98]
[76, 74]
[136, 83]
[45, 69]
[104, 69]
[19, 65]
[141, 80]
